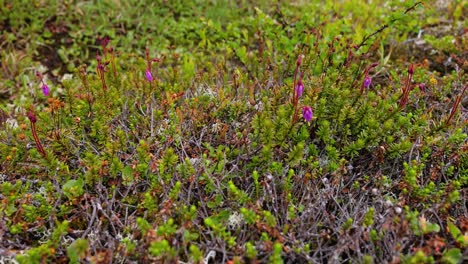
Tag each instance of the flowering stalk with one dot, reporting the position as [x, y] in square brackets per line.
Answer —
[33, 119]
[101, 69]
[455, 105]
[54, 107]
[350, 56]
[149, 61]
[296, 72]
[407, 87]
[367, 79]
[44, 86]
[103, 42]
[84, 80]
[298, 87]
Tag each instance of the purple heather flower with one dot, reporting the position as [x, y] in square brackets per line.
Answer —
[148, 75]
[307, 113]
[45, 89]
[367, 82]
[299, 88]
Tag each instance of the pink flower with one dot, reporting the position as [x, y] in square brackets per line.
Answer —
[45, 89]
[148, 75]
[367, 82]
[307, 113]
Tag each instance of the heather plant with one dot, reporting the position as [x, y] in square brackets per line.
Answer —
[263, 134]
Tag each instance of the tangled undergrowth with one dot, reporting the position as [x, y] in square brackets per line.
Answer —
[290, 134]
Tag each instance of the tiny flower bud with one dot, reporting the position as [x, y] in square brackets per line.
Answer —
[299, 60]
[422, 87]
[103, 41]
[410, 69]
[32, 116]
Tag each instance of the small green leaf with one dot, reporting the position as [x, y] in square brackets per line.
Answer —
[73, 188]
[127, 175]
[457, 234]
[77, 250]
[452, 256]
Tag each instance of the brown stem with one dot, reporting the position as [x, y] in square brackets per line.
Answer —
[382, 28]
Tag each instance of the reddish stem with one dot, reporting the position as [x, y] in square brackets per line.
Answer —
[295, 98]
[407, 87]
[33, 119]
[101, 68]
[455, 104]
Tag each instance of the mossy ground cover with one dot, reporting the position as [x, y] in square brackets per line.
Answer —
[233, 131]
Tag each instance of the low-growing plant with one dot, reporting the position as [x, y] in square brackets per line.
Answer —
[267, 133]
